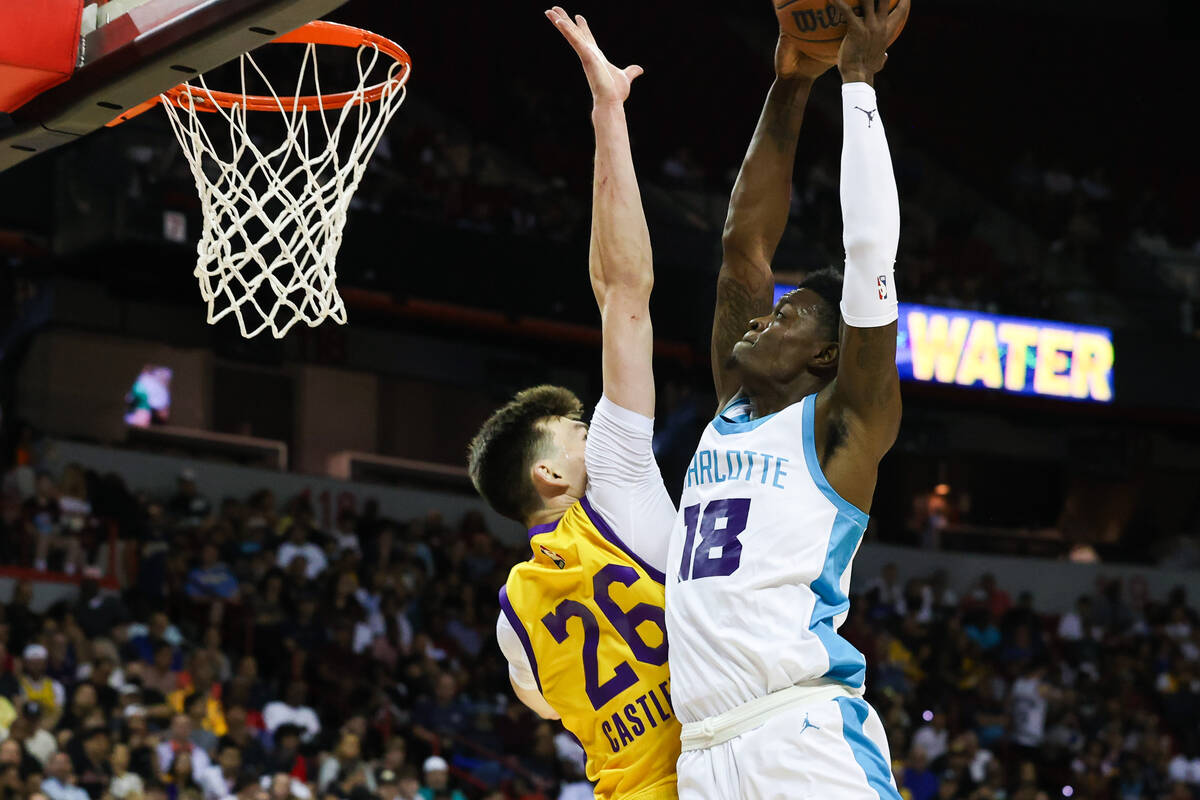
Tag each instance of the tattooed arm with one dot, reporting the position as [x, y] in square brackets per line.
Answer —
[758, 210]
[863, 405]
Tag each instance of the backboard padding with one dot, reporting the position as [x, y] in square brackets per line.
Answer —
[154, 46]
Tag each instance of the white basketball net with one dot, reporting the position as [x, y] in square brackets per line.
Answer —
[273, 219]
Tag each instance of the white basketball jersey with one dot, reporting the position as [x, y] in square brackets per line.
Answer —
[759, 565]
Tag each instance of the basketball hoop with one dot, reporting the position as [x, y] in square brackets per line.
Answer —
[273, 215]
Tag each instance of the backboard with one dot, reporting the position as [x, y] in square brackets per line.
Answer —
[132, 50]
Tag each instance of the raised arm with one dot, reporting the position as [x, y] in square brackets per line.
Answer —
[625, 486]
[866, 394]
[758, 209]
[621, 263]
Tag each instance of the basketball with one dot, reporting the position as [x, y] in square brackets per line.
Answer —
[819, 25]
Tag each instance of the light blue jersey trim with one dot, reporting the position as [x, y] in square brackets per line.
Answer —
[866, 752]
[814, 464]
[735, 417]
[846, 664]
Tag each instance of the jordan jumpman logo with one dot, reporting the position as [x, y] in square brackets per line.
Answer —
[808, 725]
[870, 114]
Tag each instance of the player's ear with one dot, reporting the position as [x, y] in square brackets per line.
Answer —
[827, 357]
[547, 480]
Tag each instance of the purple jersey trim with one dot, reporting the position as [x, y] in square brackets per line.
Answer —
[544, 528]
[522, 634]
[608, 534]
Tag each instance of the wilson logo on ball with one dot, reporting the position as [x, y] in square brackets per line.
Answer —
[819, 26]
[816, 19]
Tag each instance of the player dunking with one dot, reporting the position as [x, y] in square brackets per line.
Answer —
[582, 622]
[775, 500]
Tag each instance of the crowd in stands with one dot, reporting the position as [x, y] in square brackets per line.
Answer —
[983, 697]
[252, 654]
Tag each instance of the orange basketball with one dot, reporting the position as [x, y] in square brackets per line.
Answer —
[819, 25]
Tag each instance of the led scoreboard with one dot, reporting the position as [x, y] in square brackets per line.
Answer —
[1008, 354]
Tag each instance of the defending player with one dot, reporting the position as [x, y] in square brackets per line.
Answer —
[775, 500]
[582, 622]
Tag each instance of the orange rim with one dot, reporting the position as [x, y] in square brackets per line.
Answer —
[318, 32]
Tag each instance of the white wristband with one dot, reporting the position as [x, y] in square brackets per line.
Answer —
[870, 212]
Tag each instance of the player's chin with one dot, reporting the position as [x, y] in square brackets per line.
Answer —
[741, 352]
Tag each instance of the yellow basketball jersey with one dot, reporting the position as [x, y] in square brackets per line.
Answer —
[590, 615]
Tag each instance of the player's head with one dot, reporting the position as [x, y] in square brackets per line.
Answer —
[795, 339]
[530, 451]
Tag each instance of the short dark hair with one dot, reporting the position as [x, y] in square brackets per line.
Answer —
[501, 454]
[827, 284]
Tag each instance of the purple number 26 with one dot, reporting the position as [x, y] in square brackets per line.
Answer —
[626, 624]
[711, 547]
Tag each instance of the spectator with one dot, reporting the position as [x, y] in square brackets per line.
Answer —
[195, 706]
[286, 758]
[223, 779]
[213, 579]
[13, 753]
[885, 594]
[83, 703]
[145, 640]
[918, 778]
[300, 549]
[387, 782]
[346, 768]
[978, 759]
[445, 714]
[241, 737]
[22, 621]
[345, 533]
[125, 785]
[75, 518]
[202, 701]
[182, 774]
[36, 686]
[990, 598]
[96, 613]
[43, 525]
[933, 738]
[11, 785]
[437, 781]
[945, 601]
[90, 753]
[1077, 624]
[59, 783]
[161, 675]
[409, 787]
[1030, 699]
[34, 741]
[293, 711]
[187, 506]
[179, 741]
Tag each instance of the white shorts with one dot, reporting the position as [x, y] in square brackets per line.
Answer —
[831, 749]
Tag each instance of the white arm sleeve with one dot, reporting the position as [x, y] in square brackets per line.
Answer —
[625, 486]
[870, 212]
[520, 671]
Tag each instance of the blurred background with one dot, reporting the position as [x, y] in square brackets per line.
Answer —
[1026, 594]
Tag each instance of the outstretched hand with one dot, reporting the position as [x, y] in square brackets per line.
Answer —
[864, 50]
[609, 84]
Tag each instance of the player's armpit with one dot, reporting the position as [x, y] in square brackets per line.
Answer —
[533, 700]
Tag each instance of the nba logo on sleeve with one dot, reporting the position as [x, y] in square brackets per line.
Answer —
[881, 283]
[558, 560]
